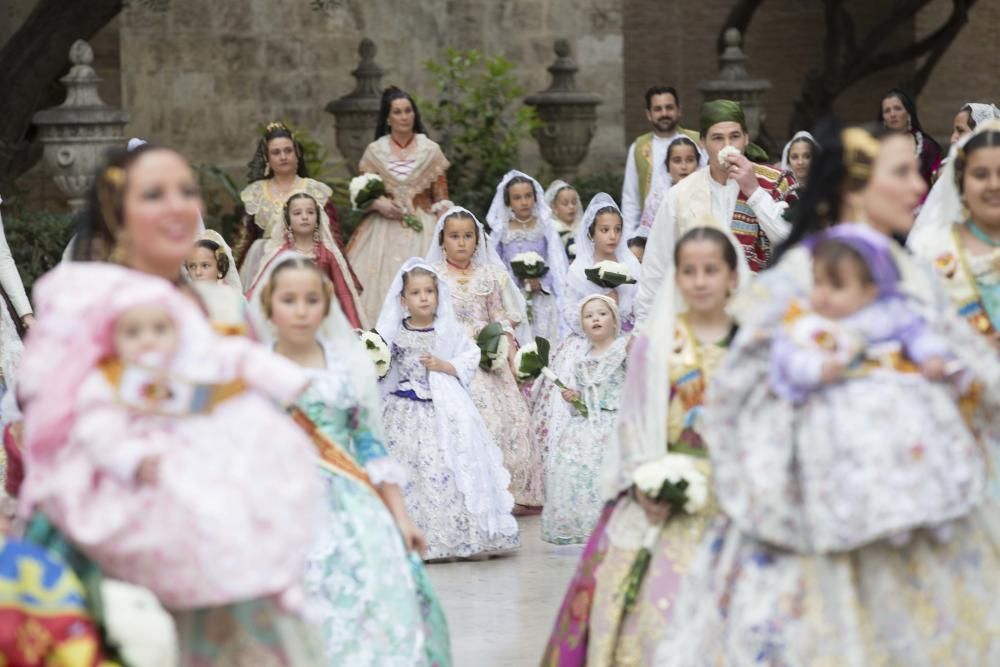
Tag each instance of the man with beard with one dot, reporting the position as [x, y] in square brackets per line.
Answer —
[645, 165]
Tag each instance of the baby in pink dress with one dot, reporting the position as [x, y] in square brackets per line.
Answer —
[171, 463]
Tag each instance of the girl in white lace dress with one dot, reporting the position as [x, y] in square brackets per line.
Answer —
[573, 497]
[456, 488]
[482, 293]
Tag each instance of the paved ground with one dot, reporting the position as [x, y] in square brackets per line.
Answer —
[500, 611]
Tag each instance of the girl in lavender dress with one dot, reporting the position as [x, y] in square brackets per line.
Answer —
[520, 221]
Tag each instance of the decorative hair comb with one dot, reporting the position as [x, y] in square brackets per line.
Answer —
[860, 150]
[115, 176]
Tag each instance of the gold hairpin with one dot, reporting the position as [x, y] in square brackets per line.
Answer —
[115, 176]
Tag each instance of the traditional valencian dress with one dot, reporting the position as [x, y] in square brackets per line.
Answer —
[661, 187]
[456, 489]
[593, 626]
[972, 282]
[230, 462]
[371, 599]
[480, 295]
[545, 311]
[576, 447]
[359, 572]
[792, 581]
[418, 183]
[577, 283]
[266, 212]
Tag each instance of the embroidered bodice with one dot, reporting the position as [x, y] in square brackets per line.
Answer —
[476, 295]
[409, 346]
[517, 241]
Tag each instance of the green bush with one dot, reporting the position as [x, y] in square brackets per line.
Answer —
[478, 122]
[37, 240]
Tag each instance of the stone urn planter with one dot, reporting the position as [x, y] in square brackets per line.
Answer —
[77, 135]
[357, 112]
[568, 116]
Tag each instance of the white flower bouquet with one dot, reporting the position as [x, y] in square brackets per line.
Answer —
[609, 275]
[378, 350]
[675, 480]
[366, 188]
[528, 265]
[532, 360]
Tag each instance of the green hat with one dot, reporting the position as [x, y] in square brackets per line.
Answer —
[721, 111]
[728, 111]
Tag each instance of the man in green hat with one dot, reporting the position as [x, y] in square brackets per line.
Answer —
[645, 166]
[743, 199]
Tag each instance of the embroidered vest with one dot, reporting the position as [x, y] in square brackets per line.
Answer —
[644, 163]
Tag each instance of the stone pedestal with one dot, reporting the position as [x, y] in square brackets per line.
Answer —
[77, 135]
[569, 117]
[357, 112]
[735, 83]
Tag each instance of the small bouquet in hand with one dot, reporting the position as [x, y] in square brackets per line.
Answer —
[493, 347]
[676, 481]
[526, 266]
[366, 188]
[609, 275]
[533, 360]
[378, 350]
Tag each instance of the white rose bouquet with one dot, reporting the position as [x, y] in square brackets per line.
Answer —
[609, 275]
[378, 350]
[366, 188]
[675, 480]
[532, 360]
[528, 265]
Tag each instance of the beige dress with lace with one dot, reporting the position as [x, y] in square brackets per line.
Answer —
[380, 246]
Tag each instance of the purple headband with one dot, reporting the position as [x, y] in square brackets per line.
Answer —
[873, 248]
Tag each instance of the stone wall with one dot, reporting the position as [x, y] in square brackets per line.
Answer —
[204, 80]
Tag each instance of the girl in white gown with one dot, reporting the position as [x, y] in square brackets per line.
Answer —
[456, 488]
